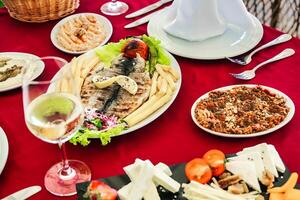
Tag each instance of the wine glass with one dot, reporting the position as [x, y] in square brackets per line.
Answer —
[53, 113]
[114, 7]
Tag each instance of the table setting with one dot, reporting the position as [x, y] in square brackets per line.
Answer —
[165, 99]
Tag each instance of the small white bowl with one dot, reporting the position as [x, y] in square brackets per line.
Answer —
[103, 20]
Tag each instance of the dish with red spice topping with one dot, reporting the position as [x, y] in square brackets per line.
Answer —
[242, 111]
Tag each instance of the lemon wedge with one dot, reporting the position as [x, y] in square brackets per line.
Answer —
[103, 82]
[124, 81]
[128, 84]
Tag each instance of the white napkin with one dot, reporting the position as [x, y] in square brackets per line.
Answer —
[195, 20]
[235, 12]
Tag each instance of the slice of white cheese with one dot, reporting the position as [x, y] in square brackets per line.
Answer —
[123, 192]
[265, 155]
[277, 159]
[163, 167]
[140, 181]
[151, 193]
[167, 182]
[246, 170]
[255, 157]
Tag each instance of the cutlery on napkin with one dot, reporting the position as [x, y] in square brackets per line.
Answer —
[24, 193]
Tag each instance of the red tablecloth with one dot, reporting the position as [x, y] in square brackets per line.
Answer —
[172, 138]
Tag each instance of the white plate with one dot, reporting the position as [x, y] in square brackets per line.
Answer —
[160, 111]
[288, 118]
[3, 149]
[22, 56]
[233, 42]
[103, 20]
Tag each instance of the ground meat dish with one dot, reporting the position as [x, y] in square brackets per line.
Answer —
[241, 110]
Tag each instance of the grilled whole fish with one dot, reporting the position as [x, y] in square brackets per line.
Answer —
[114, 100]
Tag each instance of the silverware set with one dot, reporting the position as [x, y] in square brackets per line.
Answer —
[250, 74]
[24, 193]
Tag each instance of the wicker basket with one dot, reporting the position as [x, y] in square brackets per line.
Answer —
[40, 10]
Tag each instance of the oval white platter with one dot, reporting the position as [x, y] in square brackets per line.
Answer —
[235, 41]
[288, 118]
[106, 23]
[156, 114]
[3, 149]
[39, 68]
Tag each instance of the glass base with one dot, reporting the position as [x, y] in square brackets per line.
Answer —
[114, 8]
[66, 185]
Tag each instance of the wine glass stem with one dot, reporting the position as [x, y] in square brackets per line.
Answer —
[66, 172]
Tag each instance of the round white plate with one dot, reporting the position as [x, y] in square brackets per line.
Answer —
[235, 41]
[288, 118]
[21, 56]
[3, 149]
[160, 111]
[106, 23]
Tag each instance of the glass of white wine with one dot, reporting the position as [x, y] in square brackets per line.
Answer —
[54, 113]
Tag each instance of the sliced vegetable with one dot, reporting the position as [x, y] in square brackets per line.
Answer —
[98, 190]
[290, 184]
[198, 170]
[276, 196]
[215, 159]
[135, 46]
[292, 194]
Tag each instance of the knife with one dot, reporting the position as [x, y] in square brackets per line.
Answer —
[24, 193]
[141, 21]
[148, 8]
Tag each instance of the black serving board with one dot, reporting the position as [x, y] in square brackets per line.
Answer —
[118, 182]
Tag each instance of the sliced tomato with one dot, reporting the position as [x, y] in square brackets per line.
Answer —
[105, 191]
[198, 170]
[215, 159]
[134, 47]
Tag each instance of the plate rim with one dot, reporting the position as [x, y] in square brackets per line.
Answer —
[4, 89]
[260, 31]
[288, 118]
[62, 21]
[4, 149]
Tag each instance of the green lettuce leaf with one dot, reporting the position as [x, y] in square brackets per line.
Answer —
[84, 135]
[108, 52]
[156, 53]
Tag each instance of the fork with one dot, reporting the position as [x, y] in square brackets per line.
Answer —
[250, 74]
[247, 59]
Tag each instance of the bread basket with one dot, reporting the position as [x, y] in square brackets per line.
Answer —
[40, 10]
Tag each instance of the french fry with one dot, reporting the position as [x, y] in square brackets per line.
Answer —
[58, 86]
[159, 79]
[88, 65]
[146, 112]
[166, 67]
[154, 84]
[74, 65]
[290, 184]
[164, 87]
[174, 73]
[64, 85]
[166, 76]
[141, 109]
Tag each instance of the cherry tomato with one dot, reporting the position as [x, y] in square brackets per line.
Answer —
[106, 192]
[134, 47]
[215, 159]
[198, 170]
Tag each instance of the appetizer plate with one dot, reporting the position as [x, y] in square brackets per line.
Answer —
[15, 83]
[3, 149]
[118, 182]
[235, 41]
[106, 23]
[288, 118]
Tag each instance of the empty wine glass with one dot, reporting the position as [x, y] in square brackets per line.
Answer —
[114, 7]
[54, 114]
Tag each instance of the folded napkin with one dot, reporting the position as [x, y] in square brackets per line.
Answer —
[197, 20]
